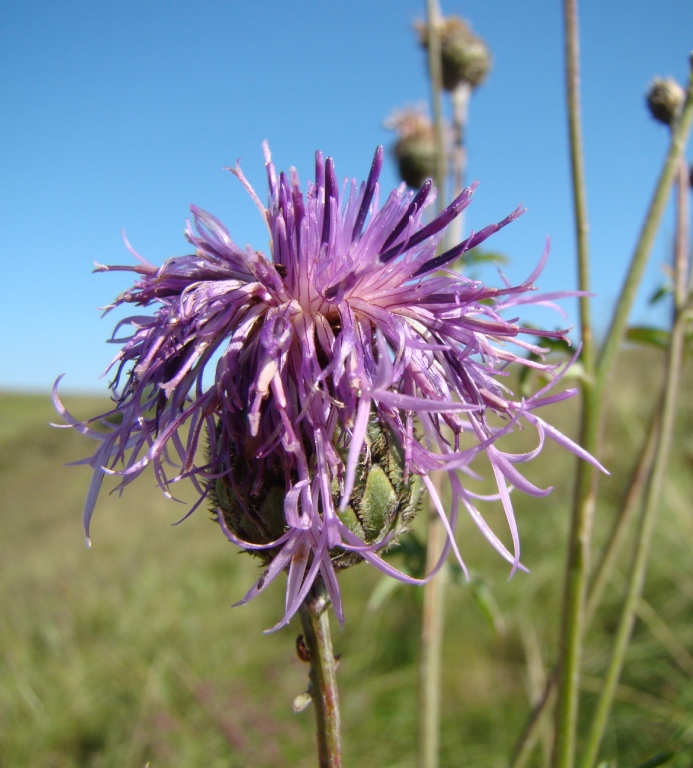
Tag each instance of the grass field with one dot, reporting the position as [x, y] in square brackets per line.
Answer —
[130, 653]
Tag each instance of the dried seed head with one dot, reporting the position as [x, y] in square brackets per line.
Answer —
[465, 57]
[415, 148]
[665, 99]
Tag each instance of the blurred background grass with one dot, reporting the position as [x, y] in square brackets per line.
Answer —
[130, 653]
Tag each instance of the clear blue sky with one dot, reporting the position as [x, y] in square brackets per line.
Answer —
[118, 115]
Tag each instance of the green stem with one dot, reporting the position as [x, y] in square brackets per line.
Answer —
[577, 165]
[460, 115]
[603, 571]
[435, 73]
[572, 630]
[583, 511]
[645, 531]
[643, 538]
[649, 229]
[432, 631]
[323, 675]
[434, 591]
[630, 506]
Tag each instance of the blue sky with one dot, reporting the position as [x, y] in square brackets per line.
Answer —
[118, 115]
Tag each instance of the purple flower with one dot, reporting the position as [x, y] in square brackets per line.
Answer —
[351, 321]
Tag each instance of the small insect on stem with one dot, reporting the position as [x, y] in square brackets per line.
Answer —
[302, 649]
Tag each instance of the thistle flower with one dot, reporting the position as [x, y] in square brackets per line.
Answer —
[349, 333]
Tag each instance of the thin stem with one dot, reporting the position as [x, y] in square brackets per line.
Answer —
[434, 591]
[645, 531]
[432, 631]
[577, 571]
[681, 271]
[649, 229]
[583, 512]
[435, 73]
[602, 574]
[460, 115]
[574, 619]
[643, 538]
[629, 508]
[577, 165]
[323, 675]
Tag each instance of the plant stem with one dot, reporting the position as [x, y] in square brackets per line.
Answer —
[577, 165]
[603, 571]
[583, 511]
[577, 571]
[460, 114]
[434, 590]
[649, 229]
[323, 677]
[432, 631]
[643, 538]
[636, 579]
[435, 74]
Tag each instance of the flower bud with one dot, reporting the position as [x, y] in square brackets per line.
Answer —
[251, 498]
[665, 99]
[465, 57]
[380, 508]
[415, 149]
[383, 503]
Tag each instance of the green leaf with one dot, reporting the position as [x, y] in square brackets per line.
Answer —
[414, 552]
[483, 257]
[556, 347]
[641, 334]
[474, 257]
[659, 759]
[661, 293]
[382, 592]
[483, 596]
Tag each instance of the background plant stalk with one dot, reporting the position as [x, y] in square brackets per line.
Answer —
[593, 393]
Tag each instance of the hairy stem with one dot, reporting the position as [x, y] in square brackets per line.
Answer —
[323, 677]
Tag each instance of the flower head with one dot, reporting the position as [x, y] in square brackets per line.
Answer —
[348, 334]
[665, 99]
[415, 149]
[464, 56]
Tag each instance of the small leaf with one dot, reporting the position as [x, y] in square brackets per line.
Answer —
[482, 594]
[659, 759]
[479, 257]
[661, 293]
[641, 334]
[559, 347]
[384, 589]
[414, 553]
[473, 257]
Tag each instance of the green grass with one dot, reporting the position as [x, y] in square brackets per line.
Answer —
[130, 653]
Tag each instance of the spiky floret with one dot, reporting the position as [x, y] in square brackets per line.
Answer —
[349, 321]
